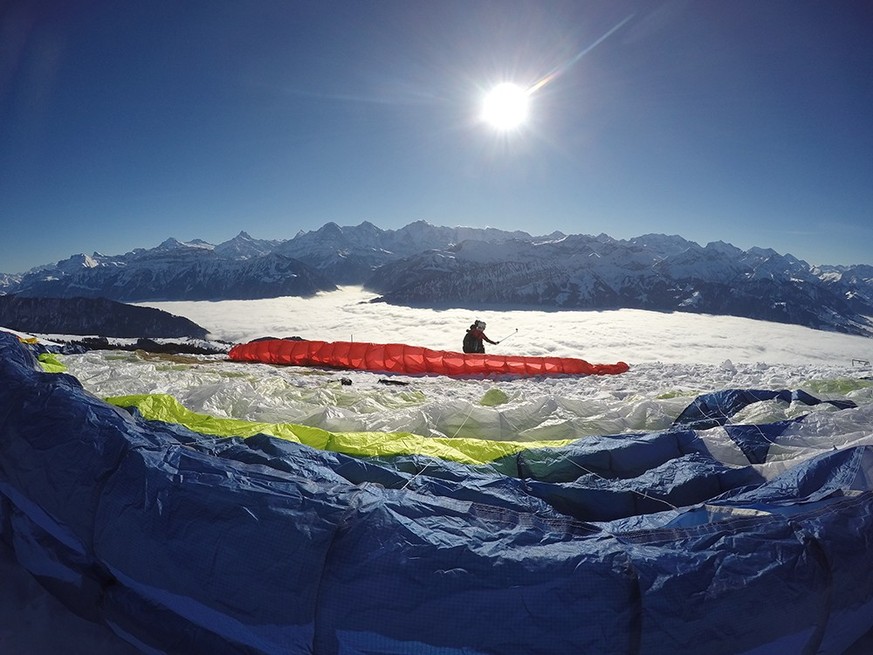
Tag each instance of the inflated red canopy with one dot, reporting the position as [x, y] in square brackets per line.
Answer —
[400, 358]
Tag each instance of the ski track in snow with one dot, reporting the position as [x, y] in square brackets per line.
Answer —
[673, 358]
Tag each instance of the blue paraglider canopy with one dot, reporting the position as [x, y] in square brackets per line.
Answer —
[652, 542]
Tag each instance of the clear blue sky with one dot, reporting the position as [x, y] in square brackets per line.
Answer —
[123, 123]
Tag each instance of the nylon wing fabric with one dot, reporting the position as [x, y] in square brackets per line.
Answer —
[413, 360]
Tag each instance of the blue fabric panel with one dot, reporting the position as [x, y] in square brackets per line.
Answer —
[153, 628]
[755, 440]
[686, 480]
[194, 533]
[622, 456]
[843, 531]
[727, 586]
[70, 574]
[832, 473]
[68, 445]
[443, 576]
[714, 409]
[428, 475]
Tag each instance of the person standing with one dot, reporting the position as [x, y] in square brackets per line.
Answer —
[475, 338]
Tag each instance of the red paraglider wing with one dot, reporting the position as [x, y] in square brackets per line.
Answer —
[401, 358]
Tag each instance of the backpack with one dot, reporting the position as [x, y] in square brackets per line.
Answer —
[472, 344]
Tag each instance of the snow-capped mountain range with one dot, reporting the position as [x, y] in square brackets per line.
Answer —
[426, 265]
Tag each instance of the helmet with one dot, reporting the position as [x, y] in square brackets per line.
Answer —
[481, 324]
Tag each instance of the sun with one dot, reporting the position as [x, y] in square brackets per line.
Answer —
[505, 107]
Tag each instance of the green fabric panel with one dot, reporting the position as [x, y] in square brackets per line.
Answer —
[51, 364]
[162, 407]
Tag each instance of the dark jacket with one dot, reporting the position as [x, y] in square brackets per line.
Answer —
[473, 340]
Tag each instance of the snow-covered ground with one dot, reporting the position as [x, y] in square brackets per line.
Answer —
[673, 358]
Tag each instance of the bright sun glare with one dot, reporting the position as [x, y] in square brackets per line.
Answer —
[505, 106]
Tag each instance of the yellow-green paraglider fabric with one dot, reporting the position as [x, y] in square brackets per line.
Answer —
[51, 364]
[166, 408]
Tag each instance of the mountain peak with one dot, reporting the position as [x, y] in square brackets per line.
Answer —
[329, 227]
[172, 244]
[169, 244]
[244, 246]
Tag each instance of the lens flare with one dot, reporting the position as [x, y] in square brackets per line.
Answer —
[506, 106]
